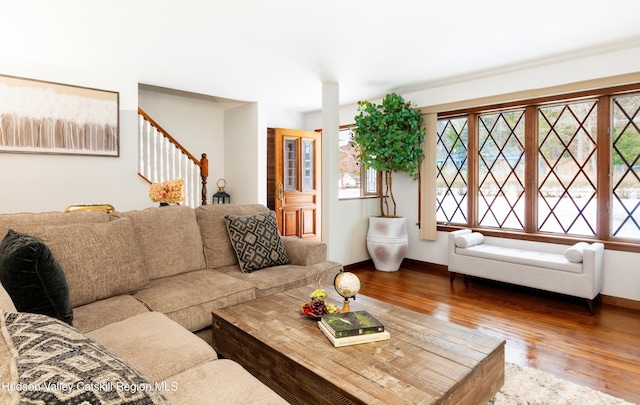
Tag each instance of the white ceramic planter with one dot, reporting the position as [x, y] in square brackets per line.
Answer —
[387, 242]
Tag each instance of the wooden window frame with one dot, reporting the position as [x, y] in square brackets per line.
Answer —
[441, 171]
[363, 179]
[603, 192]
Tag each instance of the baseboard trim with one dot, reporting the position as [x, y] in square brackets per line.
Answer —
[443, 270]
[433, 268]
[367, 264]
[409, 264]
[621, 302]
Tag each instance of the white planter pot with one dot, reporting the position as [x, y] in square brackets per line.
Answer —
[387, 242]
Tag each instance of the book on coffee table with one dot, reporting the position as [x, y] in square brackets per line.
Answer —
[353, 340]
[351, 324]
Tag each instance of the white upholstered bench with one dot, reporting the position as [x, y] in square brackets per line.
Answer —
[575, 271]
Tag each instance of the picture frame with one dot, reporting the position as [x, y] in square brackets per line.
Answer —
[44, 117]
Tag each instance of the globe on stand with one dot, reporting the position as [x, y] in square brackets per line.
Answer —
[347, 285]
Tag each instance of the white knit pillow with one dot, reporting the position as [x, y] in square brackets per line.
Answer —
[469, 239]
[574, 253]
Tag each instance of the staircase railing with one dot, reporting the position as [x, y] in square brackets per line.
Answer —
[163, 158]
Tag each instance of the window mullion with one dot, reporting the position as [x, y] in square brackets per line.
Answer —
[531, 170]
[603, 152]
[472, 156]
[580, 176]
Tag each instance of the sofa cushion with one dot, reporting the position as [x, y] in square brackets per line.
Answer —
[305, 252]
[469, 239]
[213, 227]
[283, 278]
[28, 222]
[99, 260]
[33, 277]
[256, 241]
[521, 256]
[101, 313]
[224, 380]
[167, 348]
[46, 350]
[169, 239]
[189, 298]
[574, 253]
[8, 370]
[6, 303]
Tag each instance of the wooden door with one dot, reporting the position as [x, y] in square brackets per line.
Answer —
[298, 180]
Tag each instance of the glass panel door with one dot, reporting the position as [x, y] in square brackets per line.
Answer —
[307, 164]
[290, 164]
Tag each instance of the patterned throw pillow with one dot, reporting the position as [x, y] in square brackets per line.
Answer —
[256, 240]
[57, 364]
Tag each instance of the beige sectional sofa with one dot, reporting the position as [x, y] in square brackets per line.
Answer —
[142, 285]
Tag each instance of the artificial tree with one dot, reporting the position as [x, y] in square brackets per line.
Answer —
[389, 137]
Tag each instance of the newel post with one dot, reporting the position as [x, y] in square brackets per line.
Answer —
[204, 173]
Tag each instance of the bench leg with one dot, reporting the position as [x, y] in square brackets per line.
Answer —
[453, 276]
[592, 310]
[591, 304]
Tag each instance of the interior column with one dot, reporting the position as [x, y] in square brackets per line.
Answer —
[330, 129]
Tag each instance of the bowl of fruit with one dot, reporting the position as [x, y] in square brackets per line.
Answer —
[318, 305]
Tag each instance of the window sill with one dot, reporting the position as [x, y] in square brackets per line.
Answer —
[364, 197]
[624, 246]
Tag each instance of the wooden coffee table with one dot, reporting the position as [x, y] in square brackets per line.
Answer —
[426, 361]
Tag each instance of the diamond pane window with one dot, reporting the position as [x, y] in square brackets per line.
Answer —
[501, 169]
[452, 176]
[567, 168]
[577, 142]
[625, 180]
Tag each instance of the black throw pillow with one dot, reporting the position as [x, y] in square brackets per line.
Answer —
[33, 277]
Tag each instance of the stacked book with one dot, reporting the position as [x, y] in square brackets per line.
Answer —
[352, 328]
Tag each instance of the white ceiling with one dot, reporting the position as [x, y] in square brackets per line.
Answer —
[279, 52]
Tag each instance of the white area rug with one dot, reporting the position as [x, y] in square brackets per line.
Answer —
[530, 386]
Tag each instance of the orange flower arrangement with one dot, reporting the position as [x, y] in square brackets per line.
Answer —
[170, 191]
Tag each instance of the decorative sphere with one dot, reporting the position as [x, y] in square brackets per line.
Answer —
[347, 284]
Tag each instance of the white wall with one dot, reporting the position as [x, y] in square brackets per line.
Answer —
[196, 123]
[52, 182]
[622, 278]
[349, 219]
[245, 154]
[36, 182]
[284, 119]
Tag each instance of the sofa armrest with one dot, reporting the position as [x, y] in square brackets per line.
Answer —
[452, 239]
[305, 252]
[6, 303]
[592, 265]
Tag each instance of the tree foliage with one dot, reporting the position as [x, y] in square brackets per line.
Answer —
[389, 137]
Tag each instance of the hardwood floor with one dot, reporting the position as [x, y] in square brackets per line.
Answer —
[542, 330]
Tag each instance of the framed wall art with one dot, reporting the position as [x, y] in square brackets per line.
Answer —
[43, 117]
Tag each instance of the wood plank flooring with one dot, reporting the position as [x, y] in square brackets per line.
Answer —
[543, 330]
